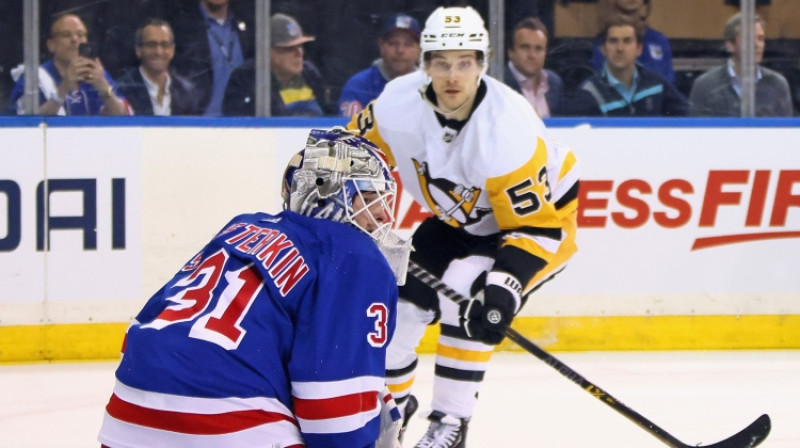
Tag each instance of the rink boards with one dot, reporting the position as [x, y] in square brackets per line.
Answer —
[689, 236]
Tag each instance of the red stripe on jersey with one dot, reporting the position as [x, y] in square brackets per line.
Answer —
[188, 423]
[335, 407]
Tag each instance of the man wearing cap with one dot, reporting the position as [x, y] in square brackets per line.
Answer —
[297, 86]
[399, 48]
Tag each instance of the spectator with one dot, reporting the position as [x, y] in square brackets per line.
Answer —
[118, 49]
[211, 41]
[399, 49]
[525, 72]
[153, 88]
[717, 92]
[656, 51]
[623, 87]
[341, 50]
[71, 84]
[297, 87]
[793, 78]
[10, 49]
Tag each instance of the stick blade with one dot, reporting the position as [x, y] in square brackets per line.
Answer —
[749, 437]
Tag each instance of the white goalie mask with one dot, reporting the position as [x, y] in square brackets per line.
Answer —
[343, 177]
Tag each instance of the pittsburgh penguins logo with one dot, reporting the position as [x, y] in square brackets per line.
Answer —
[452, 203]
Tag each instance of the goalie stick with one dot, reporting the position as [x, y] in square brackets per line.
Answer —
[749, 437]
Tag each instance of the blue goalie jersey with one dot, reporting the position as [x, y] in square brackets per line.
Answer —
[274, 335]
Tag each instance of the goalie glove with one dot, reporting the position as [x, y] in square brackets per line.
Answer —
[488, 319]
[391, 422]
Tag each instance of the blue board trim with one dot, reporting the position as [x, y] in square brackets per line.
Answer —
[302, 122]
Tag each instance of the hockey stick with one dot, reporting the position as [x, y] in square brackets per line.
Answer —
[749, 437]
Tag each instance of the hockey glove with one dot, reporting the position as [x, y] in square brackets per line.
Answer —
[391, 422]
[488, 320]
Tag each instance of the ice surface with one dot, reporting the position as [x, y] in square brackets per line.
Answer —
[698, 397]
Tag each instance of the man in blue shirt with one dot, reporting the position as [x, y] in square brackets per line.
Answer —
[211, 41]
[623, 87]
[399, 49]
[656, 51]
[71, 84]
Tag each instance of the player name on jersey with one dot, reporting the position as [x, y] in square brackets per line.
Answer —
[277, 253]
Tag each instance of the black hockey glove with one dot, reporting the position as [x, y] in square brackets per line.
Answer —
[488, 319]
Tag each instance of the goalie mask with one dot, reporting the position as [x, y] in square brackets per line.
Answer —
[342, 177]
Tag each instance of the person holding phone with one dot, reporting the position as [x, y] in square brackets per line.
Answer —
[74, 81]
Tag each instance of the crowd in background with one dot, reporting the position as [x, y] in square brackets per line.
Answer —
[197, 57]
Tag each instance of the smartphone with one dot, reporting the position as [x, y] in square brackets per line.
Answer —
[87, 50]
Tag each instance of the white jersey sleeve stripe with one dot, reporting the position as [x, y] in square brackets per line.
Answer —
[337, 406]
[195, 405]
[115, 432]
[192, 423]
[565, 184]
[548, 244]
[331, 389]
[339, 424]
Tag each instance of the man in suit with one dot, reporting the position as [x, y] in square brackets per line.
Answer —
[211, 41]
[153, 88]
[525, 72]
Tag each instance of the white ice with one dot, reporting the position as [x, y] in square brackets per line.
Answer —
[698, 397]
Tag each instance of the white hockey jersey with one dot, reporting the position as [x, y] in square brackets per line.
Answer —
[498, 173]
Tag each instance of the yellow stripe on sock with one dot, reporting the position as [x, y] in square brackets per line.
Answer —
[463, 355]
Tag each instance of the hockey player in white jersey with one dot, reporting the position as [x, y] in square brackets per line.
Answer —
[275, 333]
[504, 199]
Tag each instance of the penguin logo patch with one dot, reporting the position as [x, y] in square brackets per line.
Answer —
[452, 203]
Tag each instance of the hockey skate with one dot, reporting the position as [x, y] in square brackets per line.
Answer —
[410, 409]
[445, 431]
